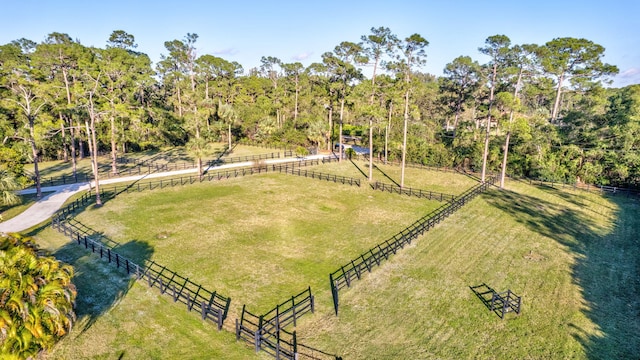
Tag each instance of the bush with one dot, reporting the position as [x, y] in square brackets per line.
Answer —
[36, 299]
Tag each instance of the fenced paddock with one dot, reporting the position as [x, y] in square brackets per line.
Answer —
[272, 337]
[139, 186]
[484, 228]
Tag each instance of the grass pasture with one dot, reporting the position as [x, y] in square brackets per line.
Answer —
[571, 255]
[259, 255]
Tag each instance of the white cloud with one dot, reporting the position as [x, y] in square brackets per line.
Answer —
[628, 77]
[630, 73]
[302, 56]
[227, 51]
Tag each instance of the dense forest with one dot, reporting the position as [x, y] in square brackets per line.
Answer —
[540, 111]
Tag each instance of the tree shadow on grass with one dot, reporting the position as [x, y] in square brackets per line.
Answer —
[100, 284]
[606, 267]
[385, 175]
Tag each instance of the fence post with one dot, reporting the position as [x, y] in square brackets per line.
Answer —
[203, 307]
[259, 332]
[334, 293]
[313, 303]
[293, 307]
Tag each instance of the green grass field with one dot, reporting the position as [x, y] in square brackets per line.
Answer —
[571, 255]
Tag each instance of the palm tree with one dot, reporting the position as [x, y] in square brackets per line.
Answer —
[228, 115]
[36, 298]
[317, 132]
[8, 185]
[198, 148]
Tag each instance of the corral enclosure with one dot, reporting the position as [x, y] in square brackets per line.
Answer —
[542, 243]
[257, 239]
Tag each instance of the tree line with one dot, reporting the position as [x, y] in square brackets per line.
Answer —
[540, 111]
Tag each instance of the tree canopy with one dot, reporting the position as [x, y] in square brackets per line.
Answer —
[543, 104]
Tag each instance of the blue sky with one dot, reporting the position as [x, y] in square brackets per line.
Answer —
[300, 30]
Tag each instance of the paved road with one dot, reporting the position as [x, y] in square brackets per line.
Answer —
[55, 196]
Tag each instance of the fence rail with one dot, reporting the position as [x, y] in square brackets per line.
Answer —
[499, 303]
[354, 269]
[287, 312]
[602, 189]
[267, 332]
[420, 166]
[425, 194]
[270, 323]
[321, 176]
[266, 146]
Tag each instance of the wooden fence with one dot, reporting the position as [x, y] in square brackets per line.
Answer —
[320, 176]
[602, 189]
[266, 146]
[354, 269]
[267, 332]
[431, 195]
[499, 303]
[113, 190]
[210, 305]
[286, 153]
[505, 302]
[150, 167]
[420, 166]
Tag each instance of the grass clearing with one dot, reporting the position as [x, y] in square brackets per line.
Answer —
[571, 255]
[258, 255]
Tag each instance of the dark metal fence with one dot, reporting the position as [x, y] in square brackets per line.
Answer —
[355, 268]
[425, 194]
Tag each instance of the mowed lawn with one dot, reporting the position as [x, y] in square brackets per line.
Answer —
[258, 239]
[571, 255]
